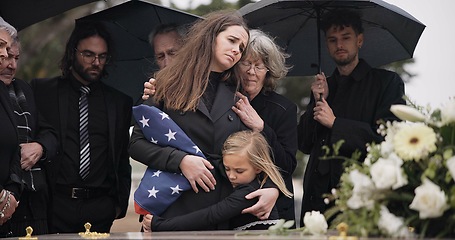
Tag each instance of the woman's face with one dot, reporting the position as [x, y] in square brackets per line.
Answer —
[229, 45]
[253, 74]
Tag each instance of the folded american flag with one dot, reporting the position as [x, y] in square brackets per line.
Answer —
[159, 189]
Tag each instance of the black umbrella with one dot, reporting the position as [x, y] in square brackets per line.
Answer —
[130, 24]
[23, 13]
[391, 34]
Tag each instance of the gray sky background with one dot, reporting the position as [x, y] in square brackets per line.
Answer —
[434, 54]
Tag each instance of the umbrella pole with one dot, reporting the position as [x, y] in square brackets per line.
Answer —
[318, 22]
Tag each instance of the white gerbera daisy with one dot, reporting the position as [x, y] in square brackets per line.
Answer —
[414, 141]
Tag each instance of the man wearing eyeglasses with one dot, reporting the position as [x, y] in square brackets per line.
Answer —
[91, 176]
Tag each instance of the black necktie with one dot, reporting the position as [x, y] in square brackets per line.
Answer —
[84, 168]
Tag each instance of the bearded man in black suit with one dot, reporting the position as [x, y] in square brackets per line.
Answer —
[91, 179]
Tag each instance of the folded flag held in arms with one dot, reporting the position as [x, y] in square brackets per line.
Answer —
[159, 189]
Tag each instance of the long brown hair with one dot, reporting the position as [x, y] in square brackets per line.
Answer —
[182, 83]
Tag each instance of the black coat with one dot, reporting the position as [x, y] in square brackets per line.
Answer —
[52, 101]
[34, 204]
[227, 210]
[10, 170]
[208, 131]
[358, 102]
[280, 129]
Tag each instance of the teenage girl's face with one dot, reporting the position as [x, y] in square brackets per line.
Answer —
[229, 45]
[238, 169]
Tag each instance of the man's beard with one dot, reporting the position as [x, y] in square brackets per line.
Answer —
[83, 73]
[345, 61]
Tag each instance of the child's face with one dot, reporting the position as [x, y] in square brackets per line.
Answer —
[239, 169]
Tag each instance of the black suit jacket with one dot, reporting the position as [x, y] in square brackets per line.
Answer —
[208, 131]
[52, 101]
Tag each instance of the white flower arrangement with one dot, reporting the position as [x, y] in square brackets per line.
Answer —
[406, 184]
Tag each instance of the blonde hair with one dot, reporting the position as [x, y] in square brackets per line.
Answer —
[255, 147]
[182, 83]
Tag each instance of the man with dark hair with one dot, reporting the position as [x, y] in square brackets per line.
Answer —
[91, 178]
[345, 106]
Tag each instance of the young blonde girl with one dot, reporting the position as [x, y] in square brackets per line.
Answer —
[248, 165]
[251, 149]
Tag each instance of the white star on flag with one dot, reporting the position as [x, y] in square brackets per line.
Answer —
[170, 135]
[152, 140]
[164, 115]
[157, 173]
[176, 190]
[153, 192]
[144, 121]
[197, 149]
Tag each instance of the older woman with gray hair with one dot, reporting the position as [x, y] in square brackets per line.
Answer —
[10, 170]
[263, 110]
[7, 34]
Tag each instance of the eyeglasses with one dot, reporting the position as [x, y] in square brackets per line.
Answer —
[89, 57]
[257, 68]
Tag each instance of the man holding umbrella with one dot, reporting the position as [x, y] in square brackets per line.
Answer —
[345, 106]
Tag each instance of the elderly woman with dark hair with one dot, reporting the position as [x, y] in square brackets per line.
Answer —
[263, 110]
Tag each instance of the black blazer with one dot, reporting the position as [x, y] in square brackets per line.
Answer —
[208, 131]
[52, 101]
[228, 209]
[10, 170]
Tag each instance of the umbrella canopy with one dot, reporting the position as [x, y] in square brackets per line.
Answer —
[23, 13]
[130, 24]
[391, 34]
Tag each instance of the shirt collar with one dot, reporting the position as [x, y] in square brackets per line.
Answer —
[360, 71]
